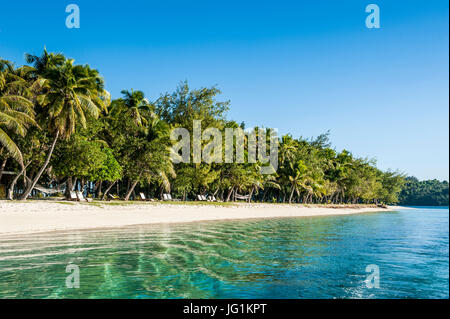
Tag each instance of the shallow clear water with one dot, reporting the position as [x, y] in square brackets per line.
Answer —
[319, 257]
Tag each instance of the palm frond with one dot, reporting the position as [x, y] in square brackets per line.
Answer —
[10, 146]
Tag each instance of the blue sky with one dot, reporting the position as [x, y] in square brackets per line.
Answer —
[302, 67]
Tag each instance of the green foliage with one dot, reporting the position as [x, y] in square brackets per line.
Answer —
[110, 170]
[140, 141]
[127, 140]
[185, 105]
[16, 108]
[391, 185]
[81, 158]
[71, 93]
[424, 193]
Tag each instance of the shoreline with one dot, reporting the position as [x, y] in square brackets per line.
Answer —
[36, 216]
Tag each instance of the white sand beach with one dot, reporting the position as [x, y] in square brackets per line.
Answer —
[42, 215]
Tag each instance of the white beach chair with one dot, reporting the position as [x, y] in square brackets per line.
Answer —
[73, 196]
[202, 198]
[142, 197]
[81, 198]
[111, 196]
[169, 197]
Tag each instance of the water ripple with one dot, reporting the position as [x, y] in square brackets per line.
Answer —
[322, 257]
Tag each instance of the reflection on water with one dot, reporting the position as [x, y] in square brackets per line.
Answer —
[321, 257]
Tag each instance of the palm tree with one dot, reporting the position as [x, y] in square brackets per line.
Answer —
[135, 106]
[298, 179]
[152, 161]
[70, 93]
[46, 61]
[16, 109]
[343, 167]
[288, 148]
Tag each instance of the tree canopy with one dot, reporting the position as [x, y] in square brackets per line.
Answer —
[424, 193]
[58, 125]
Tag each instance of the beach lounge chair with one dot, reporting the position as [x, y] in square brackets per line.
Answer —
[212, 198]
[73, 196]
[142, 197]
[201, 198]
[169, 197]
[81, 197]
[111, 196]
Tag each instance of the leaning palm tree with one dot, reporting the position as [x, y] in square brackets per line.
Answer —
[152, 162]
[16, 110]
[70, 93]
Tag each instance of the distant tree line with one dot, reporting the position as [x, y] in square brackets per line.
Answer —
[424, 193]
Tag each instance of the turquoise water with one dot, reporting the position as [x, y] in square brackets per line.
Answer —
[319, 257]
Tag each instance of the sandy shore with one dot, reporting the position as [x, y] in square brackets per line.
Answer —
[41, 216]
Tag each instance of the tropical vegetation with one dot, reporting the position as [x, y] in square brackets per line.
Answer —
[59, 128]
[424, 193]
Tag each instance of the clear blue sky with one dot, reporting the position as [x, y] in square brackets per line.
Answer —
[300, 66]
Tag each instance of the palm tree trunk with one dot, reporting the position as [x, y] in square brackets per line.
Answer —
[250, 195]
[99, 189]
[264, 195]
[2, 168]
[292, 194]
[38, 175]
[69, 187]
[111, 184]
[127, 196]
[14, 181]
[82, 183]
[229, 194]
